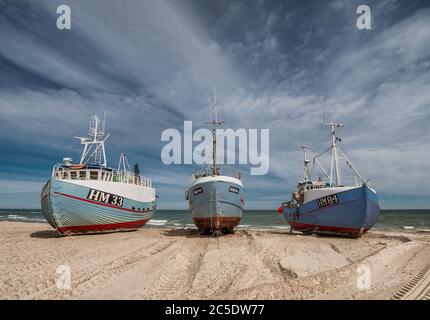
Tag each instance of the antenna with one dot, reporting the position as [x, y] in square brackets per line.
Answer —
[214, 96]
[215, 123]
[104, 120]
[210, 109]
[305, 149]
[215, 108]
[305, 163]
[334, 158]
[94, 146]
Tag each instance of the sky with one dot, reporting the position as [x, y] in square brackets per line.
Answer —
[151, 65]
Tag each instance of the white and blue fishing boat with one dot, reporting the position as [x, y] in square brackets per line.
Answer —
[327, 205]
[91, 197]
[215, 196]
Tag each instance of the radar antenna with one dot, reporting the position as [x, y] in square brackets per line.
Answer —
[306, 163]
[94, 148]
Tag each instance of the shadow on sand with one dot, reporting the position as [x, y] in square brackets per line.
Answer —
[46, 234]
[193, 233]
[188, 233]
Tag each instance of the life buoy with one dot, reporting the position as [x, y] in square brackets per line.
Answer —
[77, 166]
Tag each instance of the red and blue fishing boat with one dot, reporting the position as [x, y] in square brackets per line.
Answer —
[328, 206]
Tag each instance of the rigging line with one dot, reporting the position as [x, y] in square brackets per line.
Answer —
[321, 153]
[351, 165]
[210, 212]
[214, 189]
[325, 172]
[217, 209]
[312, 138]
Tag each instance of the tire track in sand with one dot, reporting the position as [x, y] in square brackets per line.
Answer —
[176, 279]
[305, 287]
[270, 260]
[92, 277]
[418, 288]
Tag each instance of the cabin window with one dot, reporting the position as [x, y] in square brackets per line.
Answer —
[73, 175]
[94, 175]
[133, 208]
[82, 175]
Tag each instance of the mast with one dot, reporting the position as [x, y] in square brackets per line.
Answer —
[334, 155]
[215, 123]
[336, 151]
[306, 163]
[94, 148]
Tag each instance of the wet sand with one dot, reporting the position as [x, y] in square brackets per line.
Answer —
[180, 264]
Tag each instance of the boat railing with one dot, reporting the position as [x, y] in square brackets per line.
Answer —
[208, 172]
[62, 172]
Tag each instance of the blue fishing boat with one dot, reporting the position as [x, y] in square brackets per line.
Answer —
[327, 205]
[215, 196]
[91, 197]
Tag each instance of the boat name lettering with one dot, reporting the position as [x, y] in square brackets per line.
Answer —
[197, 191]
[328, 201]
[233, 189]
[104, 197]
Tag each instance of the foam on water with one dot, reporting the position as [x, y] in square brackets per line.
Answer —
[15, 217]
[407, 220]
[155, 222]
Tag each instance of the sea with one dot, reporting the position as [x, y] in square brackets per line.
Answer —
[388, 220]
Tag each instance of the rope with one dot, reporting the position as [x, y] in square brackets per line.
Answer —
[214, 189]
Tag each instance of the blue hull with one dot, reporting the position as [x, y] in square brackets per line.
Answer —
[356, 212]
[216, 205]
[67, 208]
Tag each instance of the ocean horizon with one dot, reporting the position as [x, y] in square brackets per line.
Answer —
[388, 220]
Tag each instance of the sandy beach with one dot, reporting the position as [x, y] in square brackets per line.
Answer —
[154, 263]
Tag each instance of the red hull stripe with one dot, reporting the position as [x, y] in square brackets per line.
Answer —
[101, 227]
[102, 204]
[43, 198]
[304, 226]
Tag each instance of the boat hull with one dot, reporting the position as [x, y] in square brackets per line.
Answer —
[354, 213]
[69, 208]
[216, 205]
